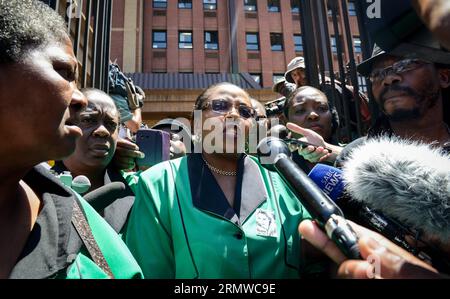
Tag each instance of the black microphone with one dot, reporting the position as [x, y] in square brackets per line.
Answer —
[274, 154]
[102, 197]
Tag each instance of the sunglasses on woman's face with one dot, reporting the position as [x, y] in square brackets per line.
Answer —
[223, 106]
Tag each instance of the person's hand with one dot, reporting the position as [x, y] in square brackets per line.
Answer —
[316, 154]
[177, 147]
[435, 15]
[381, 257]
[125, 155]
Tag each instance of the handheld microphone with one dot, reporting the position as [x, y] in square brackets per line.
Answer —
[81, 184]
[274, 154]
[102, 197]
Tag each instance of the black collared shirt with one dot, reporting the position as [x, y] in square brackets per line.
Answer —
[53, 243]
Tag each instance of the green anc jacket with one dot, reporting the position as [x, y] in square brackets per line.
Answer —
[181, 225]
[54, 248]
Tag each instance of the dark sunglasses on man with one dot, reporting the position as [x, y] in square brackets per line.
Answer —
[223, 106]
[402, 66]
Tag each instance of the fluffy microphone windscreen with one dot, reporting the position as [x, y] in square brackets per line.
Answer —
[406, 180]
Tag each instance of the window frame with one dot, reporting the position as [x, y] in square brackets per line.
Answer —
[276, 77]
[208, 5]
[183, 4]
[160, 5]
[154, 41]
[351, 6]
[333, 44]
[259, 75]
[355, 47]
[273, 5]
[295, 44]
[295, 9]
[272, 45]
[247, 5]
[180, 43]
[247, 34]
[216, 43]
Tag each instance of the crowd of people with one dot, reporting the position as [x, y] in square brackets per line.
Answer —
[212, 210]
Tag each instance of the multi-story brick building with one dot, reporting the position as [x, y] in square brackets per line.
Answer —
[175, 48]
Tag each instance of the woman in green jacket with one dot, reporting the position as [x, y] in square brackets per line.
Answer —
[47, 230]
[216, 213]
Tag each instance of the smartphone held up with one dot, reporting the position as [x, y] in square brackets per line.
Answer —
[155, 144]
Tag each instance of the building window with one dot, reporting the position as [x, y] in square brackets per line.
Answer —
[277, 77]
[357, 44]
[362, 83]
[276, 41]
[159, 38]
[211, 40]
[250, 5]
[298, 42]
[159, 3]
[333, 44]
[273, 5]
[332, 5]
[185, 4]
[252, 41]
[209, 4]
[295, 6]
[185, 39]
[257, 78]
[351, 8]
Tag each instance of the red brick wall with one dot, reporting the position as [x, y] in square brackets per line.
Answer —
[198, 60]
[117, 32]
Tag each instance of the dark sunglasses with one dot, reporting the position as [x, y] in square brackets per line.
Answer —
[399, 67]
[223, 106]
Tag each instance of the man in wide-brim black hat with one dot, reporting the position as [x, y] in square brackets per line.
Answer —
[410, 83]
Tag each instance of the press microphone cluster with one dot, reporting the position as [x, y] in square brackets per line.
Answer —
[406, 180]
[330, 180]
[274, 154]
[398, 188]
[80, 184]
[99, 198]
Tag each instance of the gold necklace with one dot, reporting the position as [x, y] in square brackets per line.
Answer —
[217, 170]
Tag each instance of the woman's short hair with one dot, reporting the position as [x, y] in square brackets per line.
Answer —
[26, 25]
[205, 94]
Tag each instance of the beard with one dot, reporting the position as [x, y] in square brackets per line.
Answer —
[425, 99]
[400, 115]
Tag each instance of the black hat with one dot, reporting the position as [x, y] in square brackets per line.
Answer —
[365, 67]
[408, 38]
